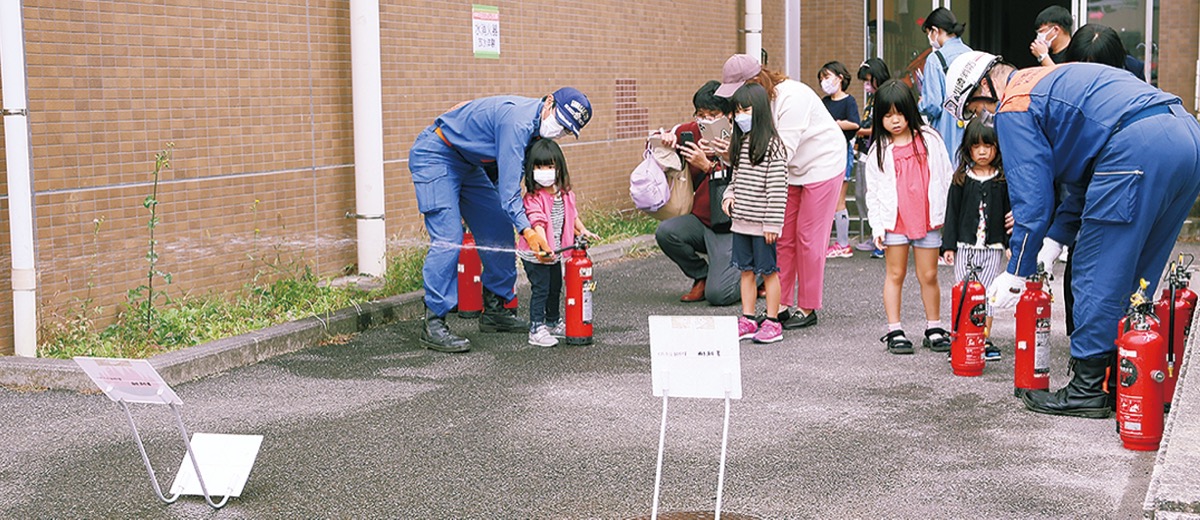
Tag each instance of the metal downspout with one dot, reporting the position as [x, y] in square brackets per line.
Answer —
[18, 155]
[366, 77]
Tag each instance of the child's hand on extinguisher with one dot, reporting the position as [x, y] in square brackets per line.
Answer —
[538, 245]
[948, 256]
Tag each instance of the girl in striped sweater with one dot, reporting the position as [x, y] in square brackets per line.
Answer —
[755, 201]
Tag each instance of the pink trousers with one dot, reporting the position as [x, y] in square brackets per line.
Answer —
[800, 250]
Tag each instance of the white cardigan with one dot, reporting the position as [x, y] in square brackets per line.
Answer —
[881, 184]
[816, 146]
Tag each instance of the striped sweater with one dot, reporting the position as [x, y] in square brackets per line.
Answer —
[759, 192]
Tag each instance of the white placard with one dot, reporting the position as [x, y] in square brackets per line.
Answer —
[225, 462]
[695, 356]
[485, 29]
[129, 380]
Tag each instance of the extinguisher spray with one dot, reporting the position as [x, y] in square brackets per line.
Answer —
[1141, 369]
[579, 288]
[1031, 365]
[470, 288]
[969, 299]
[1175, 309]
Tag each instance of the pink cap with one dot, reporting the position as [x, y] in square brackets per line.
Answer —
[738, 68]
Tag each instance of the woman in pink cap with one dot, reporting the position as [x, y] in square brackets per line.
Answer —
[816, 162]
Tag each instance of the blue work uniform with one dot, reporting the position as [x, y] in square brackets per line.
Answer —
[1125, 160]
[451, 185]
[933, 95]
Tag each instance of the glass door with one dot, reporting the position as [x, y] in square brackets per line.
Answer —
[1136, 21]
[903, 45]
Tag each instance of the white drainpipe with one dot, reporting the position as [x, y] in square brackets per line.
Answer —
[365, 71]
[20, 186]
[754, 29]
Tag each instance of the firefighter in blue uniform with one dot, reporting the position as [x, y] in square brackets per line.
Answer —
[468, 165]
[1124, 159]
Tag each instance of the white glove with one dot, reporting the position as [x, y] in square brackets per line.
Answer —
[1049, 253]
[1005, 290]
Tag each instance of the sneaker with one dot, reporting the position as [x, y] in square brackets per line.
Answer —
[990, 351]
[878, 253]
[836, 251]
[770, 332]
[797, 321]
[865, 246]
[746, 328]
[540, 337]
[559, 330]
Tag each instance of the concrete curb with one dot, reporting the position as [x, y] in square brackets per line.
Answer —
[1174, 490]
[224, 354]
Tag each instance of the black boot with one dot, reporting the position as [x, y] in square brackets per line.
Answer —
[1085, 395]
[437, 336]
[496, 318]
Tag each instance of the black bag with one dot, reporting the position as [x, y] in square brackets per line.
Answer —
[718, 181]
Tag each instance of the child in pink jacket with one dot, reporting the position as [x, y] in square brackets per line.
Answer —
[550, 206]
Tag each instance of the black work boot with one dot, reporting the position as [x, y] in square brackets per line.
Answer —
[1085, 395]
[437, 336]
[496, 318]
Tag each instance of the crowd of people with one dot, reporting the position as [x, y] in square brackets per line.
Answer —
[987, 168]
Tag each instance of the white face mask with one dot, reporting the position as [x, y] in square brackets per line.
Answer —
[551, 129]
[933, 41]
[1041, 37]
[743, 121]
[830, 85]
[545, 176]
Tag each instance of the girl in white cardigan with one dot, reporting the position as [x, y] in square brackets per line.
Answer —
[908, 177]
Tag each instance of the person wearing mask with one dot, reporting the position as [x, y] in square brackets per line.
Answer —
[1095, 43]
[449, 162]
[873, 73]
[835, 79]
[945, 36]
[1053, 26]
[1128, 157]
[685, 238]
[815, 150]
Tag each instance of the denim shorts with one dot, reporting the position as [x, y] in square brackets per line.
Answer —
[753, 253]
[931, 240]
[850, 165]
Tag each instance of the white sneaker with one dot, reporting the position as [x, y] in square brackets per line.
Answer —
[540, 337]
[559, 330]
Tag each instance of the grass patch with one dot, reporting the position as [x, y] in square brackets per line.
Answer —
[281, 293]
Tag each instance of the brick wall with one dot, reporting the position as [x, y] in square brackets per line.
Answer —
[256, 97]
[1179, 23]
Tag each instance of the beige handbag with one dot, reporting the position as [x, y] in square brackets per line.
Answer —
[678, 179]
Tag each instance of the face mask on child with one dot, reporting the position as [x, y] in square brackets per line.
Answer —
[743, 121]
[830, 85]
[545, 176]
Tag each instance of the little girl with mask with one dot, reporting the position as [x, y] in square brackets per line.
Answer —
[835, 79]
[550, 206]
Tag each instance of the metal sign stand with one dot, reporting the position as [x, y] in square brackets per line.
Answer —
[706, 350]
[227, 458]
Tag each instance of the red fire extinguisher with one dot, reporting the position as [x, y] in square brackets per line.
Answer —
[1175, 309]
[1031, 362]
[969, 298]
[1141, 369]
[579, 287]
[470, 288]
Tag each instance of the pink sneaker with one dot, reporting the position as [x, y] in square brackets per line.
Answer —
[769, 332]
[746, 328]
[836, 251]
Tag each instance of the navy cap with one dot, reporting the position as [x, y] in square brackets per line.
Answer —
[572, 109]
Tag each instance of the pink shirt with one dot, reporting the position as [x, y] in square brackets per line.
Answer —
[912, 189]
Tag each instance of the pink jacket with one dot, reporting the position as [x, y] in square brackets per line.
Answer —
[537, 207]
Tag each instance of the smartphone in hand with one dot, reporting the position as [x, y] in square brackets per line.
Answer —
[686, 137]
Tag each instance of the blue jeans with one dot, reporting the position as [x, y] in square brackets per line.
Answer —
[545, 287]
[449, 190]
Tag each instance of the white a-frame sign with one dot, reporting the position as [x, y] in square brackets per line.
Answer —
[218, 462]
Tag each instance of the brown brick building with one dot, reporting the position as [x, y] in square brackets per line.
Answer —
[256, 97]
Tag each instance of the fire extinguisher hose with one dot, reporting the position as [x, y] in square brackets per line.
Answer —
[1171, 329]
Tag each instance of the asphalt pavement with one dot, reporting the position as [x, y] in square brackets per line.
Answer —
[830, 425]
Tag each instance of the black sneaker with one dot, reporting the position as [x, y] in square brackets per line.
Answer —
[990, 351]
[796, 321]
[897, 343]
